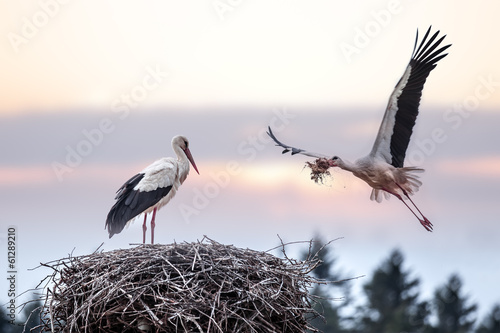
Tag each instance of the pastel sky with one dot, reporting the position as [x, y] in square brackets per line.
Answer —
[93, 91]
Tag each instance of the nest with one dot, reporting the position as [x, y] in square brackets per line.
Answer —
[190, 287]
[319, 169]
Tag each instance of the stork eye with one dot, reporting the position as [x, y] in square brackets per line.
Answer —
[334, 158]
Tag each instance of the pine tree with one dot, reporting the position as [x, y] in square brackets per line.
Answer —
[329, 309]
[491, 324]
[392, 300]
[5, 326]
[453, 312]
[31, 314]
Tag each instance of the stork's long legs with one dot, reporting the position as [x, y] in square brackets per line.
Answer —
[411, 210]
[153, 226]
[424, 222]
[144, 228]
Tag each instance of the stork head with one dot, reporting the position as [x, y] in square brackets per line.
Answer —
[334, 161]
[182, 142]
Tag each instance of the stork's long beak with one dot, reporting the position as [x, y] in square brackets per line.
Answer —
[190, 158]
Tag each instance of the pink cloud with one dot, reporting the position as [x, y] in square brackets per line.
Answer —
[482, 167]
[30, 175]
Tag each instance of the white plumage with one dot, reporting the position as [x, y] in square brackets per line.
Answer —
[150, 189]
[383, 167]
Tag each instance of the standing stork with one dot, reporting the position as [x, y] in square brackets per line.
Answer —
[383, 168]
[150, 189]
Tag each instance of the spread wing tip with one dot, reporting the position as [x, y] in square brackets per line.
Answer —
[279, 144]
[290, 149]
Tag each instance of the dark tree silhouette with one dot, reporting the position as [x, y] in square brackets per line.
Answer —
[31, 314]
[5, 326]
[453, 312]
[330, 309]
[491, 324]
[392, 300]
[27, 318]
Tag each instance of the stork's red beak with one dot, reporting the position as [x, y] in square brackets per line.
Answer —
[190, 158]
[332, 163]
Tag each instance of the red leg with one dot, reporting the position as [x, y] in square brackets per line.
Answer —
[144, 228]
[425, 222]
[153, 226]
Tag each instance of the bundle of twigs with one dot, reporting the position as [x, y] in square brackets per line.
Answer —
[319, 169]
[191, 287]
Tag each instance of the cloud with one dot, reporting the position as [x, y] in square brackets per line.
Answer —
[483, 167]
[25, 176]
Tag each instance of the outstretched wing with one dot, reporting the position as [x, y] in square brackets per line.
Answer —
[291, 149]
[397, 125]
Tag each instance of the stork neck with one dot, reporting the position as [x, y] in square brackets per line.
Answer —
[346, 165]
[183, 162]
[179, 152]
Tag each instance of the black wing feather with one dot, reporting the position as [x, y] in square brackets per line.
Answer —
[291, 149]
[278, 143]
[423, 61]
[130, 203]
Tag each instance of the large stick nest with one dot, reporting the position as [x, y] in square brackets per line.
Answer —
[191, 287]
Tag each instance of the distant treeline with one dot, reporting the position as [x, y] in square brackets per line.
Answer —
[392, 302]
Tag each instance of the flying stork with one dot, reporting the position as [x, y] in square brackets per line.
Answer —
[383, 167]
[150, 189]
